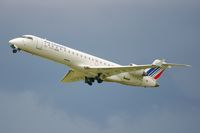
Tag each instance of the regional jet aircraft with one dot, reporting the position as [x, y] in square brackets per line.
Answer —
[91, 68]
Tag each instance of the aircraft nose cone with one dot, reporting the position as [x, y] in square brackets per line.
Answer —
[12, 41]
[16, 41]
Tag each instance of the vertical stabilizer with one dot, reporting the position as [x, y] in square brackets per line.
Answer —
[158, 70]
[155, 72]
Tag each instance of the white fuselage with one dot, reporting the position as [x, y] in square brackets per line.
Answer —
[76, 59]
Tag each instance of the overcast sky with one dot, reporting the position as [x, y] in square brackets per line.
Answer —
[123, 31]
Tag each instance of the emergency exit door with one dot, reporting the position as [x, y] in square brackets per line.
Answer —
[39, 43]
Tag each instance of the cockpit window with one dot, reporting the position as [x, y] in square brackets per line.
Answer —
[28, 37]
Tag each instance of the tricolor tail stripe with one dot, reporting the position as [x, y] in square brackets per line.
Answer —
[151, 71]
[158, 75]
[155, 72]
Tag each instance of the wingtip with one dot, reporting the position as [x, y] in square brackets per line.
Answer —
[188, 65]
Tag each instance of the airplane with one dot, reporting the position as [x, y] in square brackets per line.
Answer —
[90, 68]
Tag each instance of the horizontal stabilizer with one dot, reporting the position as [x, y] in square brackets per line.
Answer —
[169, 65]
[163, 64]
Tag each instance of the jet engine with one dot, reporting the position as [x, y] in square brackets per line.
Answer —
[138, 72]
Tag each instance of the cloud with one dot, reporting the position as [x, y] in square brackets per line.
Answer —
[24, 112]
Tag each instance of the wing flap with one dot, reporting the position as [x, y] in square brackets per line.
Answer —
[121, 68]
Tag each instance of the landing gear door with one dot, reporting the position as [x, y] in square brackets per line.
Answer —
[39, 43]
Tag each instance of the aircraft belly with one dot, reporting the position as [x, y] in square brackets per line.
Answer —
[134, 81]
[128, 79]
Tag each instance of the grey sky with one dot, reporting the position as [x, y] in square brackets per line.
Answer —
[124, 31]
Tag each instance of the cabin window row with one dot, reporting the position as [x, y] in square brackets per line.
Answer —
[53, 45]
[88, 58]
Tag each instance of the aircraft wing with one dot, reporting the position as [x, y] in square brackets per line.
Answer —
[113, 70]
[73, 76]
[106, 71]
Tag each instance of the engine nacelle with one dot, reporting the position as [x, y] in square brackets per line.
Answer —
[138, 72]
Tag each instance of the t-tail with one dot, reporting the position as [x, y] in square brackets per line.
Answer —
[159, 66]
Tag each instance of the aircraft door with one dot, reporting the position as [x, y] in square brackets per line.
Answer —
[39, 43]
